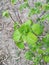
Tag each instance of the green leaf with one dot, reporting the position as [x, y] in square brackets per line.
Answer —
[34, 11]
[25, 27]
[25, 0]
[45, 7]
[16, 35]
[38, 4]
[6, 13]
[32, 47]
[35, 47]
[31, 39]
[37, 29]
[37, 59]
[46, 40]
[28, 55]
[16, 25]
[39, 44]
[20, 45]
[24, 5]
[40, 51]
[47, 1]
[47, 51]
[46, 59]
[13, 1]
[28, 22]
[24, 37]
[45, 17]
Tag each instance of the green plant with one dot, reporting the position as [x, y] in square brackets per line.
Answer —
[29, 33]
[47, 1]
